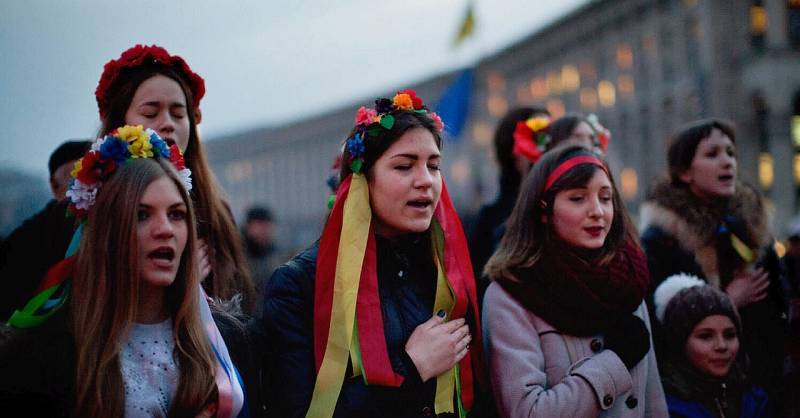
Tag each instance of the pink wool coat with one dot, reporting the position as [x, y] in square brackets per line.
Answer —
[536, 371]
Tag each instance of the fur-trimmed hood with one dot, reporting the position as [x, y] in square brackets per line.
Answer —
[694, 224]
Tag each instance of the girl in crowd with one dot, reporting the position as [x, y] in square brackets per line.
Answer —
[698, 368]
[521, 138]
[377, 317]
[581, 130]
[567, 331]
[513, 168]
[703, 221]
[135, 337]
[538, 134]
[144, 86]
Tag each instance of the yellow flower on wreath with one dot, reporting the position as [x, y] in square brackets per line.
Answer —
[403, 101]
[538, 123]
[138, 141]
[76, 168]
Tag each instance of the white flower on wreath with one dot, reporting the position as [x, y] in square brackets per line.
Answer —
[83, 195]
[186, 178]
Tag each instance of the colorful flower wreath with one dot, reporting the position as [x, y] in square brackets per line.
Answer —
[141, 55]
[531, 138]
[370, 122]
[602, 134]
[112, 151]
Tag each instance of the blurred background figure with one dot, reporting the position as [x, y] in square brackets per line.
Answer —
[513, 168]
[791, 264]
[61, 162]
[258, 235]
[19, 250]
[791, 260]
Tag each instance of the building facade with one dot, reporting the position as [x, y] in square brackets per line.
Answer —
[644, 67]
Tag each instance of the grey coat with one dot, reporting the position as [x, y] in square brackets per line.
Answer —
[538, 372]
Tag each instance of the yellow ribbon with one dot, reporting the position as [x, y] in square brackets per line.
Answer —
[445, 300]
[352, 247]
[742, 249]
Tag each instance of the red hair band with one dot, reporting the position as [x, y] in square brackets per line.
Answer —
[568, 165]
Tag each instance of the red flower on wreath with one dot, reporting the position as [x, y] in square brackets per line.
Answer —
[94, 168]
[176, 158]
[416, 102]
[524, 143]
[141, 55]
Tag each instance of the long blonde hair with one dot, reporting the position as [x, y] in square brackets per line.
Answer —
[105, 293]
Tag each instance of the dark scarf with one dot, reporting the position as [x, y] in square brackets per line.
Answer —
[578, 297]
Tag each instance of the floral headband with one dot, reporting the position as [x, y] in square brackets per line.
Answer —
[602, 134]
[531, 138]
[141, 55]
[371, 122]
[112, 151]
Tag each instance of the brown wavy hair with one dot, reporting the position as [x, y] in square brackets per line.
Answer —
[105, 294]
[230, 274]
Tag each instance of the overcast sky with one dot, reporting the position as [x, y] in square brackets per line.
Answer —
[265, 62]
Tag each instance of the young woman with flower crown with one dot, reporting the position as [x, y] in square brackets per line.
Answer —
[144, 86]
[566, 327]
[128, 330]
[377, 317]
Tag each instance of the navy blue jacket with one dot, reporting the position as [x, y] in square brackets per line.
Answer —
[754, 405]
[407, 283]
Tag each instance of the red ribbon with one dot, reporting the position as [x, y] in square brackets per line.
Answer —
[567, 165]
[372, 341]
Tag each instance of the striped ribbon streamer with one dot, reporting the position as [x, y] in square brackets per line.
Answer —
[352, 247]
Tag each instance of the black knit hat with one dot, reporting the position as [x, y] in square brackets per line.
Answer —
[683, 301]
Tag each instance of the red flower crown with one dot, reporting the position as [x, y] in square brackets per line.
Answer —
[141, 55]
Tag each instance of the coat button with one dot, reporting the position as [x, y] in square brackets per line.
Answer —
[426, 412]
[631, 402]
[608, 400]
[596, 345]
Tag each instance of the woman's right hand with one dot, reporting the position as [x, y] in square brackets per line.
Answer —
[435, 346]
[748, 287]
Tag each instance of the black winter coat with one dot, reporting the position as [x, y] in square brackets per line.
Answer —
[29, 252]
[407, 281]
[485, 237]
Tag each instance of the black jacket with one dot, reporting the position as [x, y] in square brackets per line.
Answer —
[29, 252]
[484, 237]
[406, 301]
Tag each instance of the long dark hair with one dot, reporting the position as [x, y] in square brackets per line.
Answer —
[230, 274]
[528, 235]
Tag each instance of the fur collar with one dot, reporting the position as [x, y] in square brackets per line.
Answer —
[694, 224]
